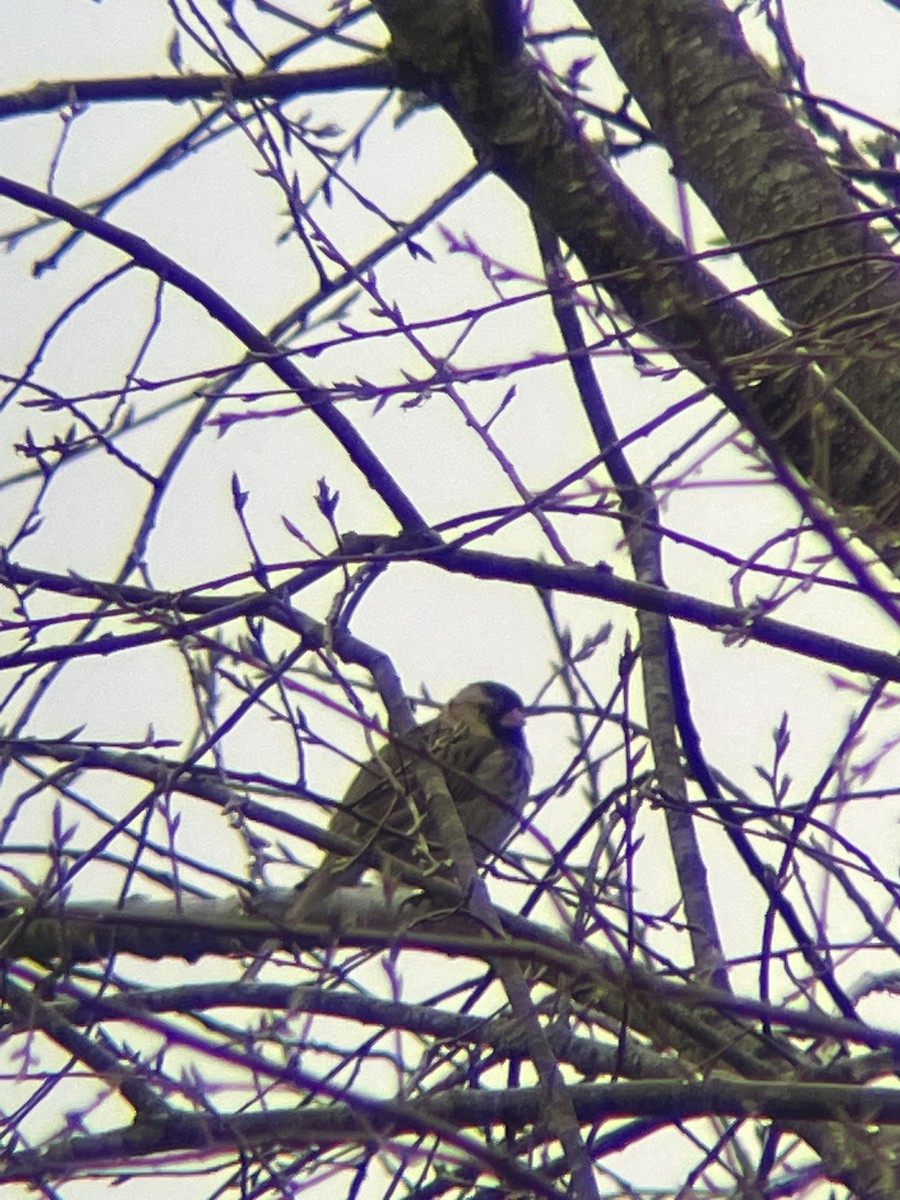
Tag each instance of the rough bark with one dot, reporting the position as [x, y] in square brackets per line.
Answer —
[813, 399]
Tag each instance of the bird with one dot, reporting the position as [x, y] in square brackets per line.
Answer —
[478, 742]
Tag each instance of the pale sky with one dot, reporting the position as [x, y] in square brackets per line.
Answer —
[223, 218]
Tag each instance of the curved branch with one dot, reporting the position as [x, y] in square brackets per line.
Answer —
[274, 356]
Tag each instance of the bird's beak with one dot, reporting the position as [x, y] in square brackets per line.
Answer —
[515, 718]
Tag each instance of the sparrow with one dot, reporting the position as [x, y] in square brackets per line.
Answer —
[478, 743]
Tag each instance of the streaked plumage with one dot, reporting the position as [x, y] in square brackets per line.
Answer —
[478, 743]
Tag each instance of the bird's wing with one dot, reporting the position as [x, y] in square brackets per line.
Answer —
[491, 793]
[382, 791]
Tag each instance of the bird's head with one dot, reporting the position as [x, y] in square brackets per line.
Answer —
[494, 705]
